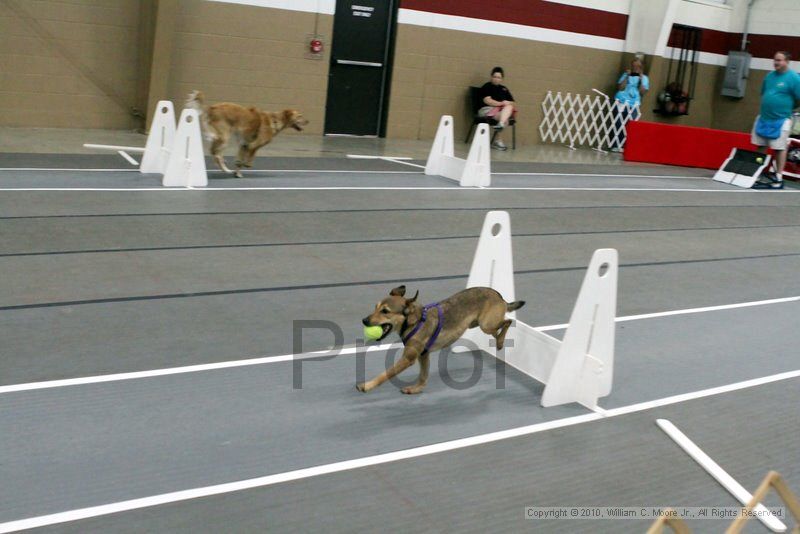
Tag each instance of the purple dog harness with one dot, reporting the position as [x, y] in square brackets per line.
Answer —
[419, 324]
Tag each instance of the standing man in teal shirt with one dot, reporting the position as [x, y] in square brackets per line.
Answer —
[780, 93]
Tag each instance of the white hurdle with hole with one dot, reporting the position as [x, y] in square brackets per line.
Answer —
[186, 166]
[176, 153]
[159, 141]
[578, 369]
[475, 171]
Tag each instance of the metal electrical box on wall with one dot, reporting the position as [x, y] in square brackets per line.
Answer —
[736, 74]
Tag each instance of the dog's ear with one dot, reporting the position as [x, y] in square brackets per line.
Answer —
[412, 300]
[288, 116]
[399, 291]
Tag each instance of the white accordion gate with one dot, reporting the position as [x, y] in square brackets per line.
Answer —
[590, 120]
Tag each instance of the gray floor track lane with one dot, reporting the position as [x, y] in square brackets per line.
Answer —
[54, 203]
[114, 161]
[33, 280]
[622, 461]
[672, 257]
[124, 440]
[390, 180]
[60, 234]
[108, 282]
[80, 446]
[75, 341]
[342, 172]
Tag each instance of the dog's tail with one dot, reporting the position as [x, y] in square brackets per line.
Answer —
[517, 304]
[196, 100]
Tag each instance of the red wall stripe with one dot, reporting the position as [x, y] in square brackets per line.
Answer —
[765, 46]
[542, 14]
[537, 13]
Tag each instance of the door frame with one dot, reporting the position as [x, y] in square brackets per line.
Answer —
[388, 66]
[388, 62]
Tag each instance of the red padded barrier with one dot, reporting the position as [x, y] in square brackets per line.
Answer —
[687, 146]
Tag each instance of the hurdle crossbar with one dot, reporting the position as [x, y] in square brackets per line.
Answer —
[135, 149]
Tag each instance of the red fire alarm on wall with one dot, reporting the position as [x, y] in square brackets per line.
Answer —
[315, 46]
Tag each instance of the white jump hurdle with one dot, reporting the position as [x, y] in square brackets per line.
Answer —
[475, 171]
[186, 166]
[159, 141]
[579, 368]
[177, 154]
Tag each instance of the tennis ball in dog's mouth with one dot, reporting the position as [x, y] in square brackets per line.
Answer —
[373, 332]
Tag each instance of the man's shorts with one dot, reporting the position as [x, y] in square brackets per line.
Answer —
[775, 144]
[488, 111]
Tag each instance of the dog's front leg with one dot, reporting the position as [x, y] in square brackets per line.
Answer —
[241, 157]
[249, 155]
[406, 361]
[424, 364]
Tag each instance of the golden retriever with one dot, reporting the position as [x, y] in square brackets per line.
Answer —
[252, 127]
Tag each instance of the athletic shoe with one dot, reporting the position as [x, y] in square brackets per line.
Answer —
[499, 145]
[768, 181]
[499, 126]
[617, 149]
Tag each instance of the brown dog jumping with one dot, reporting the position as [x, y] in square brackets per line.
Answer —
[424, 329]
[252, 127]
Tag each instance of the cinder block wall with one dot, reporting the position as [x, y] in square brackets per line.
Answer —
[250, 55]
[434, 69]
[71, 64]
[87, 64]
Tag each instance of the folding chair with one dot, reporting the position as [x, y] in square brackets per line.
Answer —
[477, 104]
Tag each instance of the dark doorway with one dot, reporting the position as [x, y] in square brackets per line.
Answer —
[360, 66]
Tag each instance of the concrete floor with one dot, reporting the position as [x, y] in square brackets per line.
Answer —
[70, 141]
[102, 282]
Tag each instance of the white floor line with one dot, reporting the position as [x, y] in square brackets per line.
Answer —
[325, 171]
[98, 379]
[410, 188]
[685, 312]
[299, 474]
[593, 175]
[390, 158]
[395, 160]
[212, 172]
[398, 159]
[261, 360]
[719, 474]
[47, 169]
[683, 397]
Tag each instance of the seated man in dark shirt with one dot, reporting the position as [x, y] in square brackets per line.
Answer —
[499, 104]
